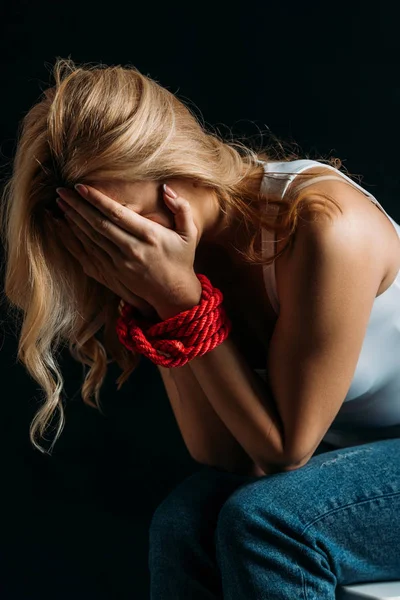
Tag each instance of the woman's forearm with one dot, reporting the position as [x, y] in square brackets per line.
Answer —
[206, 437]
[242, 401]
[240, 398]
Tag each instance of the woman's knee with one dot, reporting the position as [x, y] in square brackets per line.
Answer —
[194, 504]
[326, 482]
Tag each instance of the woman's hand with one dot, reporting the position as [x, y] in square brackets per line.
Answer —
[143, 262]
[97, 264]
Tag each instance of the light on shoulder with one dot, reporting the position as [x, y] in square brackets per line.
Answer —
[326, 295]
[359, 221]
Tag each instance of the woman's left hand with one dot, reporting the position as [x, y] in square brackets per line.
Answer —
[154, 262]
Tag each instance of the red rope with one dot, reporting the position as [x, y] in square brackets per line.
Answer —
[177, 340]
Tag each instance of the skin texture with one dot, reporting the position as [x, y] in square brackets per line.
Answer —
[133, 239]
[156, 263]
[131, 254]
[212, 224]
[347, 261]
[145, 198]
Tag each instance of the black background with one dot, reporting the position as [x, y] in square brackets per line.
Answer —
[326, 77]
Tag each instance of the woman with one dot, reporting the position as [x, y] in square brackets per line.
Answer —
[292, 411]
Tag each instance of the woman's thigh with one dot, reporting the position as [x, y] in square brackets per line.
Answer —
[196, 501]
[181, 558]
[343, 506]
[200, 496]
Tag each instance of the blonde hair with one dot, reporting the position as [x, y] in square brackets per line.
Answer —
[100, 122]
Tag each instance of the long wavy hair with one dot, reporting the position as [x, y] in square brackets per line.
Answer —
[101, 122]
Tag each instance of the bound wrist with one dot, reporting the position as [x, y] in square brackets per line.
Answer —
[166, 312]
[187, 300]
[196, 335]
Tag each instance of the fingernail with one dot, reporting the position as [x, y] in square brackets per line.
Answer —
[81, 189]
[169, 191]
[61, 190]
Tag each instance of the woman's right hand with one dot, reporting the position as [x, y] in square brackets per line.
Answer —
[82, 247]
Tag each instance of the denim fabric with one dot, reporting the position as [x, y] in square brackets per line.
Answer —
[292, 535]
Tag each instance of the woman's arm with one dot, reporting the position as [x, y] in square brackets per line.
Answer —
[206, 437]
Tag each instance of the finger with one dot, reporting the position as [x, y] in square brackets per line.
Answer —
[142, 305]
[76, 221]
[98, 265]
[79, 248]
[69, 240]
[95, 261]
[109, 217]
[185, 225]
[90, 246]
[121, 305]
[103, 266]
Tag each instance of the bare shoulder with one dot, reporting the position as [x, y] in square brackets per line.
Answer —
[369, 219]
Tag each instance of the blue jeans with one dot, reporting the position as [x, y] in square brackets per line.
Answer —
[287, 536]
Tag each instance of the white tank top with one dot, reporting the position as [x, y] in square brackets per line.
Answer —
[371, 408]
